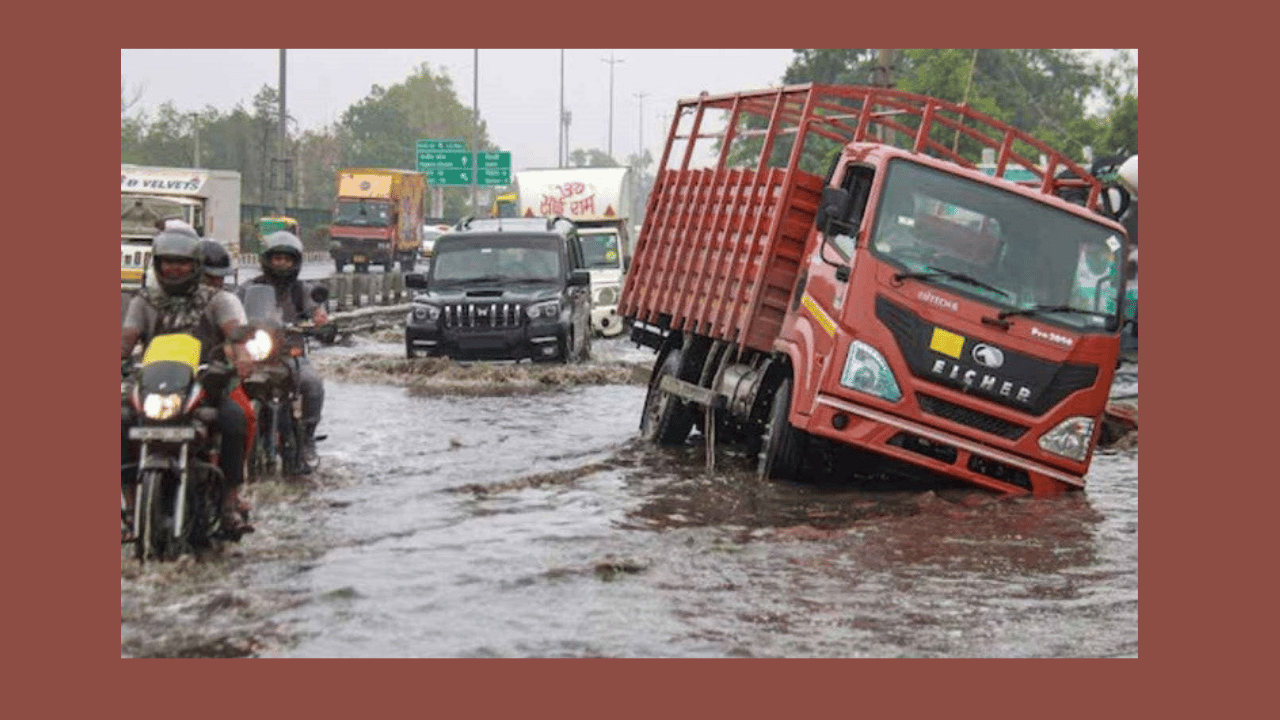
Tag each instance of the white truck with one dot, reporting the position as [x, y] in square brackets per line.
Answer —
[600, 201]
[208, 200]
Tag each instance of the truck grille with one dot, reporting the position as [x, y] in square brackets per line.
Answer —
[483, 315]
[970, 417]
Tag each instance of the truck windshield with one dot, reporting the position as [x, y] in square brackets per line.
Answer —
[370, 213]
[600, 250]
[139, 214]
[1007, 250]
[496, 258]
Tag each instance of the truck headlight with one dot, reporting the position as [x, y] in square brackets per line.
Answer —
[865, 370]
[1069, 438]
[548, 309]
[424, 313]
[607, 295]
[159, 406]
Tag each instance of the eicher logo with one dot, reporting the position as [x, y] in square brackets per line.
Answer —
[972, 379]
[988, 355]
[926, 296]
[1051, 336]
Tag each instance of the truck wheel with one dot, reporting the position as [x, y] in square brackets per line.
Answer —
[783, 446]
[362, 267]
[665, 419]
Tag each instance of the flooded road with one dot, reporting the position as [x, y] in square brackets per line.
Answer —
[450, 522]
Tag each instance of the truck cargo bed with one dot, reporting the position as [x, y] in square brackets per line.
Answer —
[710, 259]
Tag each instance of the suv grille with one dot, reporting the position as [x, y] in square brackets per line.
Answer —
[483, 315]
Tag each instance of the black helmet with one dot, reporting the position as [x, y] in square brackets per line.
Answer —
[286, 242]
[175, 245]
[217, 261]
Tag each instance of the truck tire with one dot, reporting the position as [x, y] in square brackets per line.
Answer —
[361, 267]
[665, 420]
[783, 446]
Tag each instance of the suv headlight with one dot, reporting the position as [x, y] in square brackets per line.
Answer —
[547, 309]
[865, 370]
[1069, 438]
[424, 313]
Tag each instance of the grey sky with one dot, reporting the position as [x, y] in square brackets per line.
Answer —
[519, 90]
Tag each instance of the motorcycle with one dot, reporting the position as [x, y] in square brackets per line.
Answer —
[273, 388]
[173, 506]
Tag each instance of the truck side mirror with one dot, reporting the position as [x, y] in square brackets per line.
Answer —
[833, 210]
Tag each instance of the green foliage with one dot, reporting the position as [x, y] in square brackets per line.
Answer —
[591, 157]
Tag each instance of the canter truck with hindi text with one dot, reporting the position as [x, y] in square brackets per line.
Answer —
[907, 316]
[599, 201]
[377, 219]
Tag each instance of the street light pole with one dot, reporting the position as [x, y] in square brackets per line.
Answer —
[560, 123]
[611, 62]
[475, 120]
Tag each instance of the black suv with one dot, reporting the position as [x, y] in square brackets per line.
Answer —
[506, 292]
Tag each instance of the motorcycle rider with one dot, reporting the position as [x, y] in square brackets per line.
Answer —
[183, 303]
[281, 261]
[217, 266]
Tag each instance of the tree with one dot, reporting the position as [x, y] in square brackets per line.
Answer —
[382, 130]
[592, 157]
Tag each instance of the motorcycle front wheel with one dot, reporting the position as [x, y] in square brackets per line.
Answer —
[152, 537]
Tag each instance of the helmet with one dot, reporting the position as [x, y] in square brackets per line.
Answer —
[281, 241]
[176, 245]
[217, 261]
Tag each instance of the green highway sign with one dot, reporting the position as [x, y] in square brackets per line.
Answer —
[447, 176]
[493, 176]
[425, 145]
[493, 168]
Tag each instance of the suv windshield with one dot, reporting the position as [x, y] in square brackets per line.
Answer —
[373, 213]
[1019, 255]
[496, 257]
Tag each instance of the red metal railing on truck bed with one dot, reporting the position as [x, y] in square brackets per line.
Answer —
[720, 249]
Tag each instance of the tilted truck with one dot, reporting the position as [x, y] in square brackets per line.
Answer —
[208, 200]
[599, 201]
[908, 316]
[377, 219]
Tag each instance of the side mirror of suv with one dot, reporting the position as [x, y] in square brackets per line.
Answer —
[580, 278]
[416, 281]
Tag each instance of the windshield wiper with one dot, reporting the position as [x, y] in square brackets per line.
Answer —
[1041, 309]
[952, 274]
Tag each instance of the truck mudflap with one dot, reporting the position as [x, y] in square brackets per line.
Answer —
[936, 450]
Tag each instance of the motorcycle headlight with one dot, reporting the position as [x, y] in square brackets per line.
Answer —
[865, 370]
[607, 295]
[548, 309]
[259, 346]
[424, 313]
[157, 406]
[1069, 438]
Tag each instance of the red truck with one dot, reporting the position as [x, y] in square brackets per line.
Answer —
[909, 315]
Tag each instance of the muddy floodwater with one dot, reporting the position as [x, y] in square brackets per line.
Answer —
[510, 511]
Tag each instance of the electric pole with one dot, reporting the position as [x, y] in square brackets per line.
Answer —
[611, 62]
[475, 121]
[284, 144]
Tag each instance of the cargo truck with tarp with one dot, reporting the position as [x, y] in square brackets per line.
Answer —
[207, 200]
